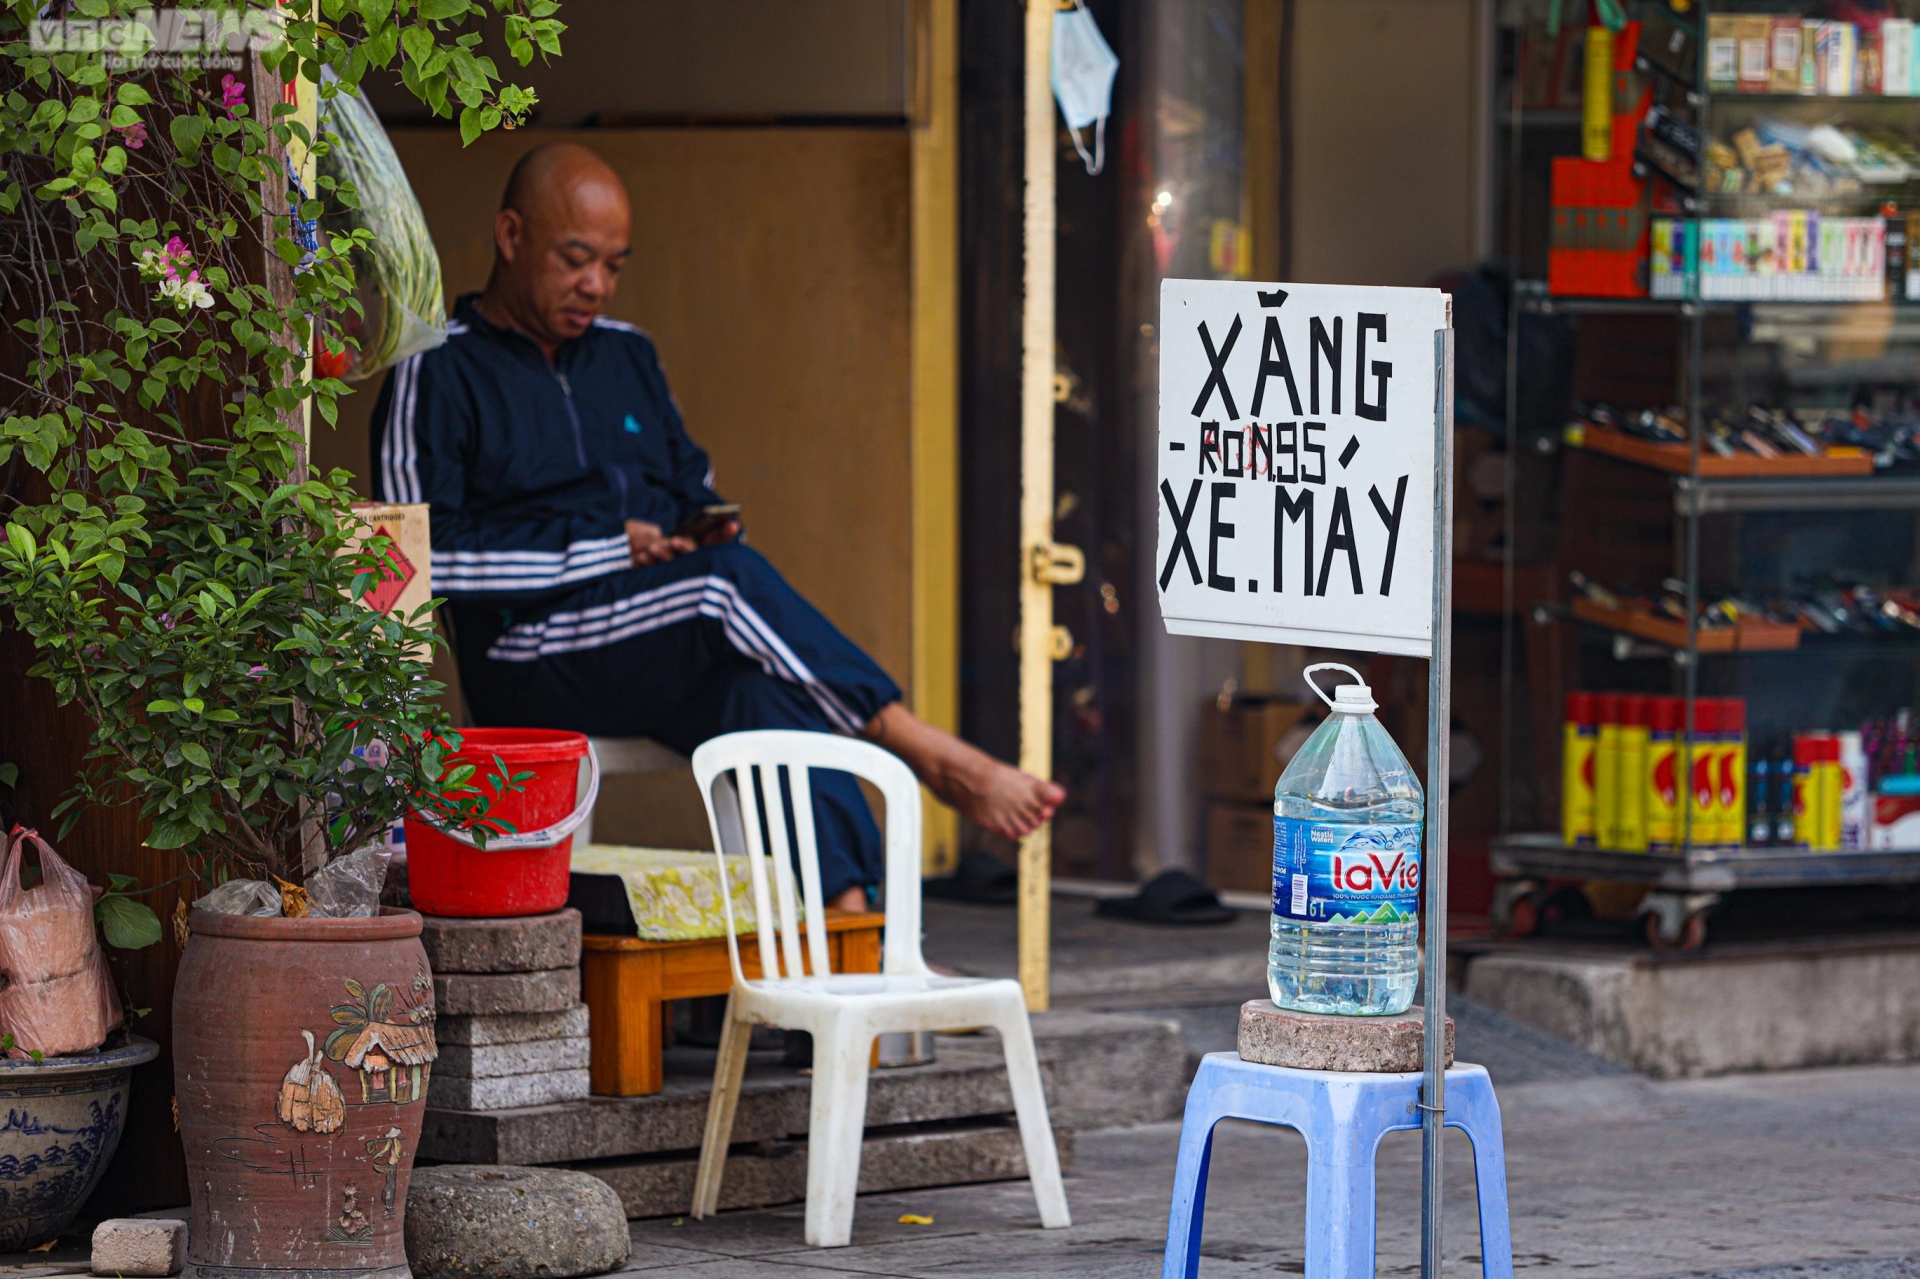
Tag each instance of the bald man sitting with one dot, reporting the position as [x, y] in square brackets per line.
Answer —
[593, 584]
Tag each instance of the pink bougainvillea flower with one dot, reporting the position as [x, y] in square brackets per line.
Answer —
[256, 673]
[233, 92]
[134, 135]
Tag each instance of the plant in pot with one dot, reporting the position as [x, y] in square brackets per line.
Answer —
[196, 590]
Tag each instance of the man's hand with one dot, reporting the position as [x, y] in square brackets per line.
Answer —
[713, 534]
[650, 544]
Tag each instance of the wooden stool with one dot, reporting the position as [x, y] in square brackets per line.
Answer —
[629, 978]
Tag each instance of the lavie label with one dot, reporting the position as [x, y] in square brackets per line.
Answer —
[1332, 873]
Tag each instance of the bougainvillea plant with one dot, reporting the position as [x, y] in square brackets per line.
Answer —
[185, 578]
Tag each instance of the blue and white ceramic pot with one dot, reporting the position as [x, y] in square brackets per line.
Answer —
[63, 1121]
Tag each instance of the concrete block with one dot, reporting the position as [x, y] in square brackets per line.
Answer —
[512, 1223]
[506, 1092]
[528, 943]
[776, 1172]
[1757, 1006]
[511, 1028]
[491, 1061]
[1315, 1041]
[1108, 1070]
[553, 990]
[139, 1246]
[1099, 1070]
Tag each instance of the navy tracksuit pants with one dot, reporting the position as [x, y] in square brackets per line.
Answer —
[708, 643]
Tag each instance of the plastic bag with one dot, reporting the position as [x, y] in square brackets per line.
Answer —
[242, 897]
[349, 888]
[59, 997]
[398, 280]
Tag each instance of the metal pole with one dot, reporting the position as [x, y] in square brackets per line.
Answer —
[1433, 1049]
[1036, 498]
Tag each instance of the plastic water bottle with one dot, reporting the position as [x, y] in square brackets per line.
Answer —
[1346, 866]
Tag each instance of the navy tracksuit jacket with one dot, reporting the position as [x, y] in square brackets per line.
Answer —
[532, 470]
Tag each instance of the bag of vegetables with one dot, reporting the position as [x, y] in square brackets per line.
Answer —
[399, 277]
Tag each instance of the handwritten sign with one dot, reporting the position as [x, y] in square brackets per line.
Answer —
[1296, 463]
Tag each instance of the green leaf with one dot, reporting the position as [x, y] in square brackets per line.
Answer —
[194, 753]
[9, 774]
[127, 924]
[187, 132]
[172, 834]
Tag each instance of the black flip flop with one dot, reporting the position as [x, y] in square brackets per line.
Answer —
[1171, 897]
[977, 878]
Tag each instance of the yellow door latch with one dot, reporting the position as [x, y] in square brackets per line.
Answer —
[1056, 564]
[1060, 644]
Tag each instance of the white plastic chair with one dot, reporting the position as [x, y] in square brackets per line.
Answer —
[842, 1011]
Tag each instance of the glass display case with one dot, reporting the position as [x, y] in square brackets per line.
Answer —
[1714, 495]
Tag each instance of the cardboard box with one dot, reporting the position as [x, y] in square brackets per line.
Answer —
[408, 581]
[1240, 846]
[1236, 746]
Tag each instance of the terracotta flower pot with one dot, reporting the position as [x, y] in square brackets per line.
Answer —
[301, 1053]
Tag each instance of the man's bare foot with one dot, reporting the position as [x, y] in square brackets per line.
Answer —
[986, 792]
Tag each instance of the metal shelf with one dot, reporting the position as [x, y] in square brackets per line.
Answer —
[1727, 97]
[1542, 118]
[1545, 304]
[1726, 497]
[1700, 869]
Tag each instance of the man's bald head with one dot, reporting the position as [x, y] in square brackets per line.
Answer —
[560, 239]
[557, 169]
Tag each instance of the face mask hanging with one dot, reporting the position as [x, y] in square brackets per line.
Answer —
[1083, 70]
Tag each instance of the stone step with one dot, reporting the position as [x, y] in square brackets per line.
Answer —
[553, 990]
[1100, 1070]
[1740, 1006]
[490, 1061]
[528, 943]
[507, 1092]
[764, 1174]
[511, 1028]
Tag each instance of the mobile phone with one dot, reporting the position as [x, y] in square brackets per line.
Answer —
[712, 516]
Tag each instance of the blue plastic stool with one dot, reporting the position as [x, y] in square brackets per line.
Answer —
[1343, 1117]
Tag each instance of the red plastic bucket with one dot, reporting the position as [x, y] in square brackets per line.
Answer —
[520, 874]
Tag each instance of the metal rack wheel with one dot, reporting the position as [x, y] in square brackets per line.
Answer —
[1516, 907]
[1676, 921]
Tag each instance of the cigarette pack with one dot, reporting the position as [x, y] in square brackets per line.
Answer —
[1670, 45]
[1723, 54]
[1755, 37]
[1896, 57]
[1837, 51]
[1785, 71]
